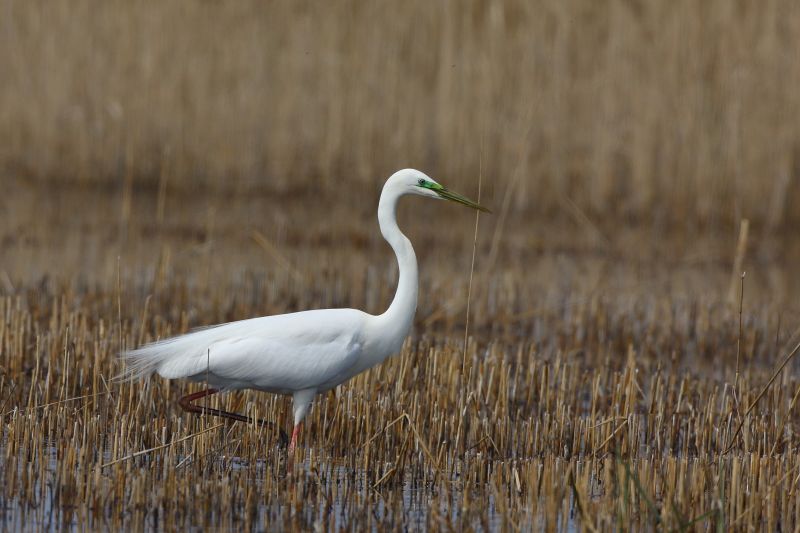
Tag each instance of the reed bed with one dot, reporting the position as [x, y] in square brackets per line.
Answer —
[674, 110]
[172, 165]
[600, 387]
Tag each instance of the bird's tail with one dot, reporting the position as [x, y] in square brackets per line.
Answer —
[175, 357]
[142, 362]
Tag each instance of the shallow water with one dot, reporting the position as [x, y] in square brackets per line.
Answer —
[592, 367]
[348, 501]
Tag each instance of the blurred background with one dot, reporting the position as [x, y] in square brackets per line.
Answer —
[678, 112]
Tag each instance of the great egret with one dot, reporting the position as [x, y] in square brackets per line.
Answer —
[299, 354]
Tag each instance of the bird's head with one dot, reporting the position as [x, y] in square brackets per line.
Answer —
[412, 181]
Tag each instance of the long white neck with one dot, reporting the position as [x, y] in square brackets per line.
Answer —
[396, 321]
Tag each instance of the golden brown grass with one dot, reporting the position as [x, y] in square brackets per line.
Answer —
[177, 164]
[662, 111]
[599, 376]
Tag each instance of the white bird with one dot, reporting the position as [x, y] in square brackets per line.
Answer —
[299, 354]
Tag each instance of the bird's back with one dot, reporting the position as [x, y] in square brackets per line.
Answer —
[281, 353]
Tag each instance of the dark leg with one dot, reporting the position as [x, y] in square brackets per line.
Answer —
[186, 403]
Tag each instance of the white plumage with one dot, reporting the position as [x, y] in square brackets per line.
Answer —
[305, 353]
[278, 354]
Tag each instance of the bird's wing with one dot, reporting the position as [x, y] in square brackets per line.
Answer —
[282, 365]
[279, 353]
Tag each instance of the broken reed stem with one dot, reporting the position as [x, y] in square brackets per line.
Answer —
[155, 448]
[738, 343]
[587, 520]
[760, 395]
[738, 260]
[119, 299]
[405, 416]
[610, 437]
[782, 425]
[58, 402]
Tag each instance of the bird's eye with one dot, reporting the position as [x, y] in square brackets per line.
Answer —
[422, 182]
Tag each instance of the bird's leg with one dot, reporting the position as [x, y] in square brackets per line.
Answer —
[301, 401]
[186, 404]
[186, 401]
[295, 434]
[292, 446]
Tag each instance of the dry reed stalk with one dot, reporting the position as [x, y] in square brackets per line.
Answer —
[578, 358]
[103, 101]
[737, 274]
[471, 272]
